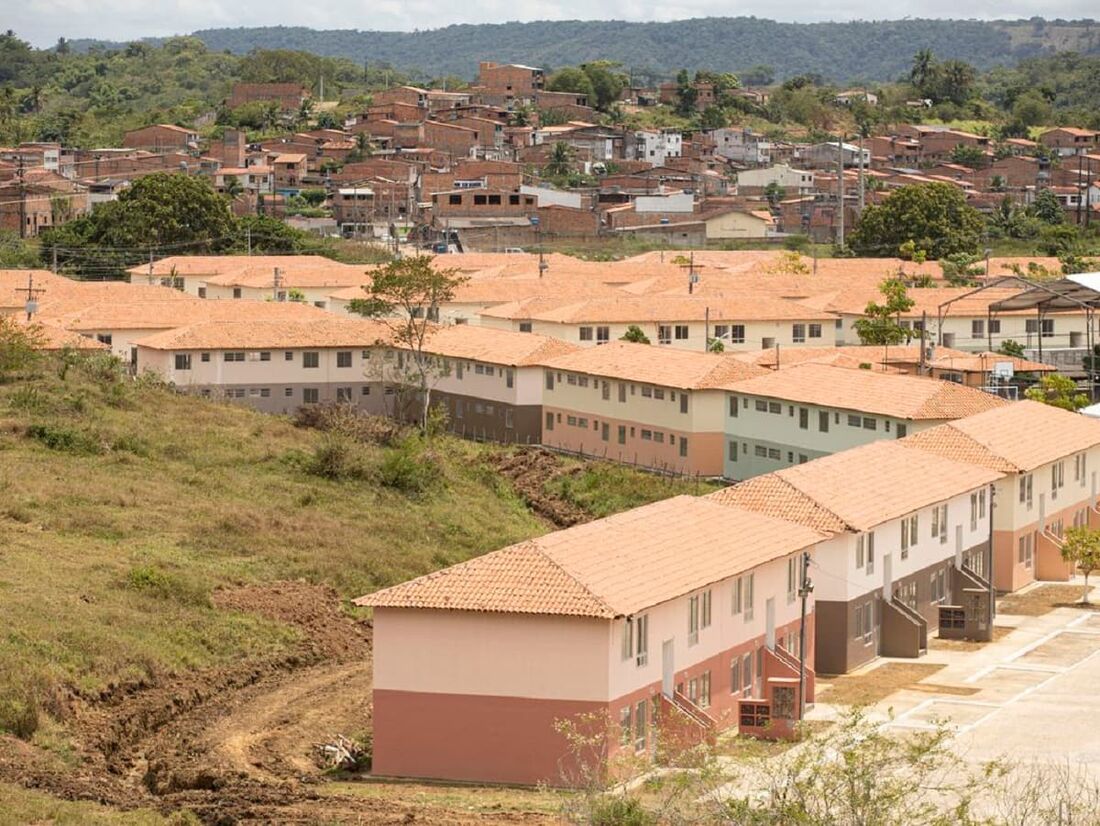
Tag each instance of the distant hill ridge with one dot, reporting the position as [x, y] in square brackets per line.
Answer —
[868, 50]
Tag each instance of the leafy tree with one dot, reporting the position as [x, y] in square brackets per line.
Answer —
[1012, 348]
[1058, 391]
[635, 334]
[881, 324]
[970, 156]
[962, 269]
[1081, 547]
[686, 94]
[1031, 109]
[774, 193]
[715, 345]
[1047, 208]
[19, 345]
[406, 295]
[924, 67]
[607, 82]
[713, 117]
[956, 81]
[934, 216]
[759, 75]
[572, 79]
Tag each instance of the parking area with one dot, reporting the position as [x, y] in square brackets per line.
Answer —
[1033, 694]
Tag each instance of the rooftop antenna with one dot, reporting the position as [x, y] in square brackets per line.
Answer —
[31, 304]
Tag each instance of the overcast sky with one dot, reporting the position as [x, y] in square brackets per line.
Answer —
[42, 21]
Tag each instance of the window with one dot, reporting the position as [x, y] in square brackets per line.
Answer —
[288, 391]
[705, 617]
[343, 394]
[733, 406]
[603, 335]
[774, 453]
[735, 675]
[236, 292]
[288, 355]
[977, 328]
[664, 334]
[183, 361]
[908, 535]
[202, 292]
[761, 406]
[737, 333]
[775, 407]
[586, 333]
[1057, 478]
[798, 333]
[981, 504]
[815, 331]
[525, 326]
[343, 358]
[748, 594]
[974, 511]
[861, 553]
[865, 621]
[513, 200]
[622, 434]
[704, 690]
[647, 435]
[804, 418]
[605, 431]
[939, 523]
[626, 730]
[365, 390]
[869, 423]
[627, 646]
[659, 393]
[494, 200]
[549, 421]
[721, 331]
[1026, 549]
[746, 673]
[647, 392]
[310, 395]
[760, 451]
[549, 380]
[855, 421]
[454, 200]
[693, 620]
[683, 447]
[311, 360]
[681, 332]
[733, 451]
[939, 585]
[480, 200]
[1026, 490]
[823, 421]
[902, 430]
[1079, 468]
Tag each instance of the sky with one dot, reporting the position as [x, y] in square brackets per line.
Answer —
[43, 21]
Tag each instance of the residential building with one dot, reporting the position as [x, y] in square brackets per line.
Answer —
[477, 665]
[791, 181]
[905, 534]
[1070, 140]
[163, 137]
[287, 96]
[826, 155]
[515, 80]
[790, 416]
[1049, 460]
[742, 145]
[654, 146]
[657, 408]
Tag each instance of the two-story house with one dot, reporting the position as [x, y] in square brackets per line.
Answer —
[790, 416]
[653, 407]
[903, 530]
[673, 610]
[1049, 459]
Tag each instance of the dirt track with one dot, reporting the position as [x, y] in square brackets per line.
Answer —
[236, 745]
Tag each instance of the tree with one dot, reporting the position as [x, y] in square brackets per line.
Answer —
[406, 295]
[1011, 348]
[881, 324]
[962, 269]
[1031, 109]
[19, 345]
[572, 79]
[635, 334]
[970, 156]
[759, 75]
[607, 83]
[924, 67]
[934, 216]
[956, 81]
[1058, 391]
[686, 94]
[774, 193]
[1047, 208]
[561, 160]
[1081, 547]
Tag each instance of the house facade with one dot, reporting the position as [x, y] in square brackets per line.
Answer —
[476, 666]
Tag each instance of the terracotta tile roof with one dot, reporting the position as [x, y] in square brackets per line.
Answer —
[163, 315]
[663, 366]
[493, 346]
[901, 396]
[644, 309]
[874, 483]
[1020, 436]
[772, 496]
[273, 334]
[900, 354]
[611, 567]
[50, 337]
[985, 362]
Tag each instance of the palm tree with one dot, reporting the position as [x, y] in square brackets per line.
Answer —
[924, 63]
[561, 158]
[232, 186]
[7, 105]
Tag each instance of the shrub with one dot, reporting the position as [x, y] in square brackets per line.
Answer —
[615, 810]
[65, 439]
[19, 711]
[336, 457]
[410, 467]
[155, 582]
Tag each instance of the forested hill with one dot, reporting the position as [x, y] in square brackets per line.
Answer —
[867, 50]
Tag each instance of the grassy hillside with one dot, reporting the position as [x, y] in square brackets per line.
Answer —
[871, 50]
[124, 507]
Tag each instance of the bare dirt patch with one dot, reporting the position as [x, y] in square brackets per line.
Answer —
[529, 470]
[879, 683]
[1044, 599]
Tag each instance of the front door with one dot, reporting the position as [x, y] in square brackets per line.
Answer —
[769, 622]
[668, 668]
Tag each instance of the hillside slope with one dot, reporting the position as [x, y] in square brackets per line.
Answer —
[871, 50]
[169, 565]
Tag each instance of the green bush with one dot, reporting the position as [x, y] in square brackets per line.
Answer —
[336, 457]
[615, 810]
[19, 711]
[65, 439]
[410, 467]
[155, 582]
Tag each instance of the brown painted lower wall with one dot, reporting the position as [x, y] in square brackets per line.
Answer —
[839, 650]
[491, 421]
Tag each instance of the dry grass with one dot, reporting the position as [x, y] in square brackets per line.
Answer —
[26, 806]
[879, 683]
[748, 749]
[509, 803]
[937, 644]
[1044, 599]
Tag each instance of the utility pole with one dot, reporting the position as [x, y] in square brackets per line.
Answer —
[31, 304]
[861, 172]
[1080, 169]
[840, 191]
[804, 591]
[22, 200]
[277, 281]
